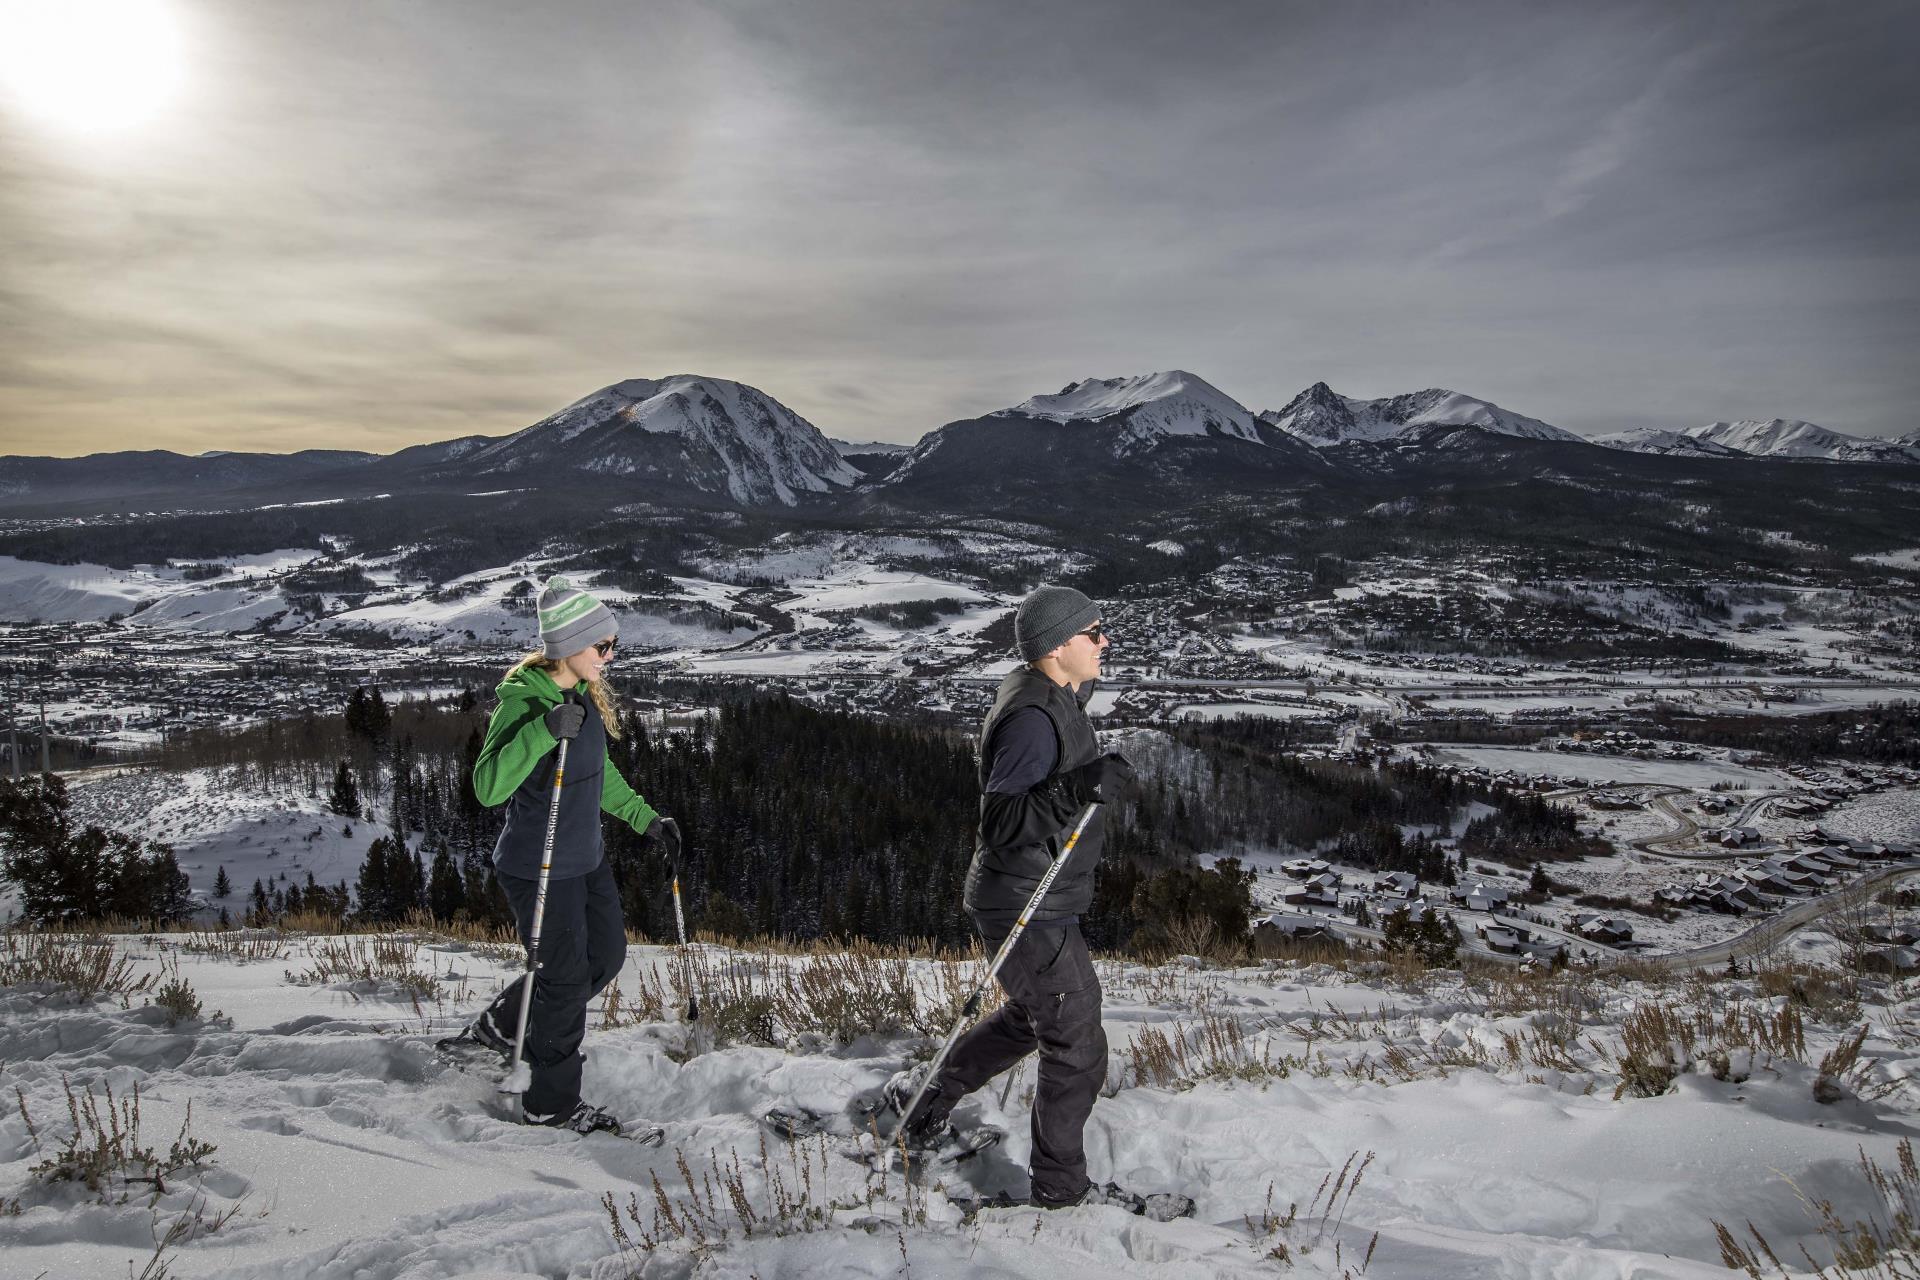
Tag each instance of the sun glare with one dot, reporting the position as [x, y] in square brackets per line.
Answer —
[89, 64]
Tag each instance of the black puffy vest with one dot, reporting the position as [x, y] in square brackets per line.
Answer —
[576, 840]
[1000, 881]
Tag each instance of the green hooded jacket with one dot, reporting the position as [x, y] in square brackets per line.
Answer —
[517, 740]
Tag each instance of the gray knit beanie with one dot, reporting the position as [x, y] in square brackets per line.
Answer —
[570, 619]
[1047, 619]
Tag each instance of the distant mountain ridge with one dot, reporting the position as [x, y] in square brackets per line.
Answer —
[1791, 438]
[686, 438]
[865, 448]
[1660, 441]
[1321, 417]
[132, 472]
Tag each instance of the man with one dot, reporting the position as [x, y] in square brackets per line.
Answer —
[1040, 767]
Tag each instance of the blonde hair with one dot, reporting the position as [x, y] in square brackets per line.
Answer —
[600, 691]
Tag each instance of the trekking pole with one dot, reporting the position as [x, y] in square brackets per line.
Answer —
[972, 1005]
[520, 1078]
[680, 925]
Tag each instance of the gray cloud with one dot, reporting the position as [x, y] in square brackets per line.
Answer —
[374, 224]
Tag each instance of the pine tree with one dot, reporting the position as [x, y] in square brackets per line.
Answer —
[406, 883]
[221, 885]
[64, 874]
[445, 891]
[345, 799]
[367, 715]
[370, 892]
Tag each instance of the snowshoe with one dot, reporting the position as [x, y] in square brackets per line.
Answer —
[969, 1206]
[952, 1147]
[586, 1118]
[931, 1127]
[1161, 1206]
[794, 1123]
[962, 1145]
[478, 1047]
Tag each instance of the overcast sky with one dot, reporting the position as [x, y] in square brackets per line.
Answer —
[367, 225]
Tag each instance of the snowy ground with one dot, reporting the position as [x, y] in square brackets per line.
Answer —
[344, 1149]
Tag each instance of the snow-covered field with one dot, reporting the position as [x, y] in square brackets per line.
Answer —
[1700, 774]
[344, 1149]
[1907, 558]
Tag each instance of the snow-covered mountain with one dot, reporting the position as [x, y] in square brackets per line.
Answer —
[1145, 409]
[1668, 443]
[711, 434]
[867, 448]
[1098, 442]
[1791, 438]
[1321, 416]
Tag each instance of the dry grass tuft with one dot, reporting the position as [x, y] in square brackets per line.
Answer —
[775, 1195]
[1285, 1238]
[104, 1149]
[1214, 1048]
[84, 965]
[367, 963]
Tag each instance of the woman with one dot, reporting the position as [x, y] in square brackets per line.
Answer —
[583, 939]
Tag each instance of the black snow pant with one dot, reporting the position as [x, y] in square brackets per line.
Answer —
[583, 943]
[1053, 1005]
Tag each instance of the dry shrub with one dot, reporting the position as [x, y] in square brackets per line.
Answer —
[1571, 994]
[1194, 934]
[315, 923]
[842, 994]
[720, 1202]
[242, 945]
[179, 999]
[1660, 1040]
[104, 1144]
[1303, 951]
[1826, 993]
[1214, 1048]
[647, 1005]
[87, 966]
[374, 962]
[1656, 1044]
[1280, 1237]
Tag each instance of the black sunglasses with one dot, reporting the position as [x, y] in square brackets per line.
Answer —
[604, 648]
[1094, 632]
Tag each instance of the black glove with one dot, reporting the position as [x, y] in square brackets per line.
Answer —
[662, 836]
[564, 721]
[1105, 780]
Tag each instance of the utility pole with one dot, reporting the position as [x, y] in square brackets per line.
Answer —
[13, 737]
[46, 746]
